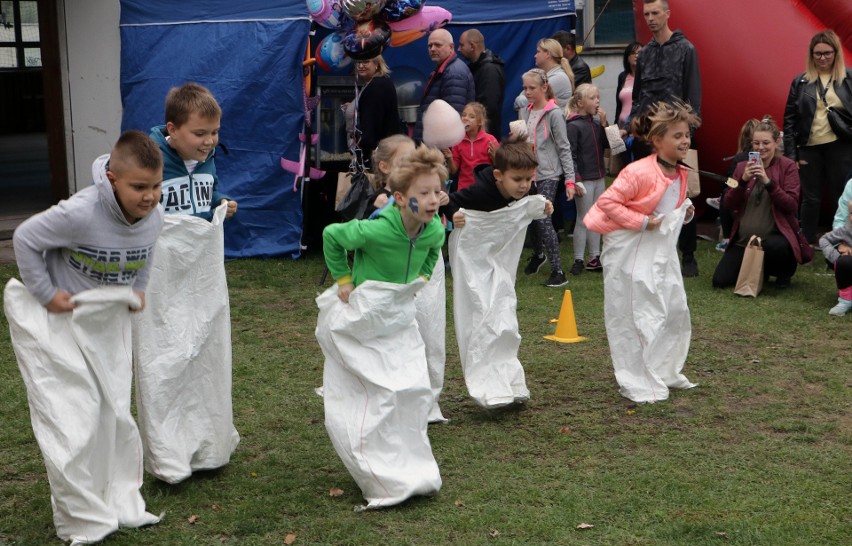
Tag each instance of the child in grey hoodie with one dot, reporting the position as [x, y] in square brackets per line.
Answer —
[77, 366]
[837, 247]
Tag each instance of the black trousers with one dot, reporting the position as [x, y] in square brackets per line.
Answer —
[843, 272]
[778, 261]
[827, 165]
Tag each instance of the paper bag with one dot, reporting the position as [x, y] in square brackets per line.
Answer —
[750, 279]
[693, 181]
[616, 143]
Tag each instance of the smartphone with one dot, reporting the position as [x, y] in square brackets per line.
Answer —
[753, 158]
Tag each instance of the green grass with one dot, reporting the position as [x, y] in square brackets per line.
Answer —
[758, 454]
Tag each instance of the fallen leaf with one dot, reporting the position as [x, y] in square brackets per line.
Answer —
[192, 519]
[494, 533]
[585, 526]
[459, 503]
[215, 507]
[721, 534]
[755, 361]
[335, 492]
[290, 538]
[224, 538]
[631, 412]
[565, 430]
[253, 474]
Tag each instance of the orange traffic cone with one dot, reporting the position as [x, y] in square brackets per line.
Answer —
[566, 324]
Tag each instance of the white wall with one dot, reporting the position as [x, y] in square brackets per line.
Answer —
[607, 81]
[90, 53]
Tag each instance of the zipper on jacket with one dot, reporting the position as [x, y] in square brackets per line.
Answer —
[408, 264]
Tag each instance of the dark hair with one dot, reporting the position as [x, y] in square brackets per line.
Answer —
[631, 47]
[515, 153]
[565, 38]
[664, 2]
[657, 120]
[190, 97]
[136, 148]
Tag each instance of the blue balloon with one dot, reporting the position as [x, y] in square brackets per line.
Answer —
[397, 10]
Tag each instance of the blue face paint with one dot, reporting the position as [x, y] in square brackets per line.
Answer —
[413, 205]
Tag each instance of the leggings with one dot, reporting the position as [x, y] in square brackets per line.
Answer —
[543, 233]
[843, 273]
[594, 189]
[825, 165]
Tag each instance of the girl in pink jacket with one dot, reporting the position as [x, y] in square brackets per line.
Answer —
[640, 215]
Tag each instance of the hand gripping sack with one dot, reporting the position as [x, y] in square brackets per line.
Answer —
[431, 313]
[77, 370]
[750, 278]
[182, 352]
[484, 255]
[645, 311]
[377, 395]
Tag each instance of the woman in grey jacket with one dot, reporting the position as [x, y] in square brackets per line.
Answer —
[547, 133]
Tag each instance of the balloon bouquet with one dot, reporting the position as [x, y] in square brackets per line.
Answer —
[364, 28]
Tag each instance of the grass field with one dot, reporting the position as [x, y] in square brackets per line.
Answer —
[759, 454]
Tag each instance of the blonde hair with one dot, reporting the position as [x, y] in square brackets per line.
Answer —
[382, 68]
[541, 76]
[479, 109]
[421, 161]
[555, 50]
[189, 98]
[662, 115]
[768, 125]
[582, 91]
[385, 151]
[829, 38]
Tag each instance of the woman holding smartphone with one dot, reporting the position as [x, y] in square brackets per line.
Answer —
[764, 204]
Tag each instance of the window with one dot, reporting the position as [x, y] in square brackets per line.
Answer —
[615, 24]
[19, 35]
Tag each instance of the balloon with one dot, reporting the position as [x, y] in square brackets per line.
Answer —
[367, 39]
[418, 25]
[362, 10]
[326, 13]
[397, 10]
[428, 19]
[330, 54]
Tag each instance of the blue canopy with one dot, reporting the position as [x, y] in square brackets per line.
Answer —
[249, 54]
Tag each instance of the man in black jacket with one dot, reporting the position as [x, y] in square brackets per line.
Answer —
[667, 70]
[568, 41]
[488, 77]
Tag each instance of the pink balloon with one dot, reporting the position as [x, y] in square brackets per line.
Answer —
[426, 20]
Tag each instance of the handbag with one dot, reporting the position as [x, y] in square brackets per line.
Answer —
[750, 279]
[839, 120]
[841, 123]
[805, 248]
[354, 203]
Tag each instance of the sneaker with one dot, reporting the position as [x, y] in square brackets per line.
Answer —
[842, 307]
[594, 264]
[689, 267]
[556, 280]
[577, 268]
[722, 246]
[534, 264]
[714, 202]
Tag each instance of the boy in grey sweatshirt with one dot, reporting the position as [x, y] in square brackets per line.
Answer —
[102, 235]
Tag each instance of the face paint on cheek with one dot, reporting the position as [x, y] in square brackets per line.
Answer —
[413, 205]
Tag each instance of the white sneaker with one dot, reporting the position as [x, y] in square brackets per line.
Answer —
[714, 202]
[842, 307]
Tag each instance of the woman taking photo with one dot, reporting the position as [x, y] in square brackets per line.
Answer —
[764, 204]
[824, 157]
[373, 113]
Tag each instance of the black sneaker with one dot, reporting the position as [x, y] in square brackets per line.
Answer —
[577, 268]
[594, 264]
[556, 280]
[689, 267]
[534, 264]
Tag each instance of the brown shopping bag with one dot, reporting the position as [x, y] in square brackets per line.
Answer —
[750, 279]
[693, 180]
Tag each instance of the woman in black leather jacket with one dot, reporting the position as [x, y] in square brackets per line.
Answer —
[824, 158]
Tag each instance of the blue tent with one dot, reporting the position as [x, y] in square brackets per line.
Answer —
[249, 54]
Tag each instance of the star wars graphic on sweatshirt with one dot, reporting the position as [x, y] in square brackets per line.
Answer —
[109, 265]
[187, 194]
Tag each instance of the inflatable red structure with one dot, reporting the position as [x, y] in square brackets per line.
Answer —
[749, 53]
